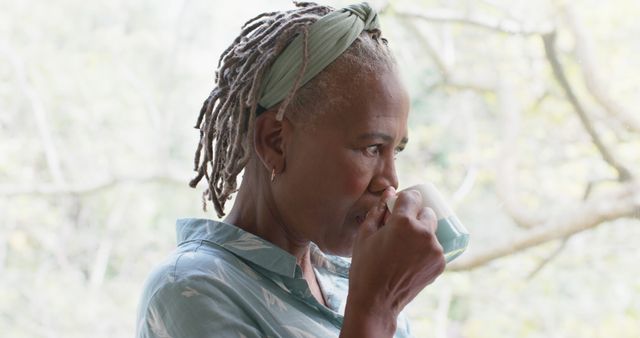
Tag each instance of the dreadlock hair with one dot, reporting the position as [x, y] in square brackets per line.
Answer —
[227, 115]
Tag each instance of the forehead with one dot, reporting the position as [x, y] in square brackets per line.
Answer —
[367, 101]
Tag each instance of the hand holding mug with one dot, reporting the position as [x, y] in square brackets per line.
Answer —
[451, 233]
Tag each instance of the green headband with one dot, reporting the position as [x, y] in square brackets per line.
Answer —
[327, 39]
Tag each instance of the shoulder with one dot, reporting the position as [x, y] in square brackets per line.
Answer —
[192, 291]
[197, 265]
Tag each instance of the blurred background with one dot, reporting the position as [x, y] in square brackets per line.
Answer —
[524, 113]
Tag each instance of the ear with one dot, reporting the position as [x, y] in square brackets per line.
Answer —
[269, 140]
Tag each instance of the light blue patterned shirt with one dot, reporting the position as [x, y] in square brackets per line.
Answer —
[222, 281]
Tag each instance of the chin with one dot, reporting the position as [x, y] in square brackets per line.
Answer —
[338, 241]
[341, 247]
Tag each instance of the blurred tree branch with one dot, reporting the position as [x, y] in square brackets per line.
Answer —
[549, 258]
[449, 77]
[103, 254]
[583, 215]
[623, 203]
[591, 72]
[507, 166]
[505, 25]
[88, 189]
[550, 49]
[38, 109]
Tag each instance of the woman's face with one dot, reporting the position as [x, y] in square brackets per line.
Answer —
[337, 168]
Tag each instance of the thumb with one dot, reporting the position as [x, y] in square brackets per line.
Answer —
[373, 221]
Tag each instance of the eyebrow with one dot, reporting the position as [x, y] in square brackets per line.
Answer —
[385, 137]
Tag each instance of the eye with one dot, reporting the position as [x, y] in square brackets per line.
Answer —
[373, 150]
[397, 151]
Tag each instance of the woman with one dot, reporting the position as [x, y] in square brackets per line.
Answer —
[309, 104]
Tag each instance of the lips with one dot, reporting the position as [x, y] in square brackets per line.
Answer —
[361, 217]
[361, 214]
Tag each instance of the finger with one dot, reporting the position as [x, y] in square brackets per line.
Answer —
[388, 193]
[373, 220]
[428, 216]
[408, 204]
[387, 216]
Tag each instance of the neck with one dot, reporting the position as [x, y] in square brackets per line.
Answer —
[255, 211]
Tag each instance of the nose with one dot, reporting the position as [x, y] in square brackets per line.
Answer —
[384, 176]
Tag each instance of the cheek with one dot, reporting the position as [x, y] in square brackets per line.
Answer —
[357, 183]
[356, 175]
[328, 181]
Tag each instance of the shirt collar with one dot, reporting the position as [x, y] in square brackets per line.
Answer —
[241, 243]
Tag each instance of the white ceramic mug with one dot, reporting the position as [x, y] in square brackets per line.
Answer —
[451, 234]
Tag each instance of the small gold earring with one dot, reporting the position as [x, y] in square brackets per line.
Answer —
[273, 174]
